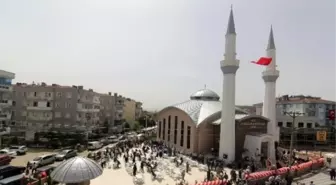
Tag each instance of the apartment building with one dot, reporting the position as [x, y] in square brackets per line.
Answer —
[316, 111]
[111, 111]
[42, 107]
[132, 109]
[138, 110]
[6, 95]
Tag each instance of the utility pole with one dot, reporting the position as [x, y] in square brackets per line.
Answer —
[292, 115]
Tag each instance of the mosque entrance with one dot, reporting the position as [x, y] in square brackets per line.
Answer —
[264, 149]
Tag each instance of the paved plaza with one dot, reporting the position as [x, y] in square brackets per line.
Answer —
[321, 178]
[120, 176]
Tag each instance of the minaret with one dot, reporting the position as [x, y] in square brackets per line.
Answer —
[229, 67]
[270, 75]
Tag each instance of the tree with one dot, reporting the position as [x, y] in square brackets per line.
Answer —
[136, 126]
[127, 125]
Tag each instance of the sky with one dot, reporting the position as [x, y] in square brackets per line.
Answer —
[161, 51]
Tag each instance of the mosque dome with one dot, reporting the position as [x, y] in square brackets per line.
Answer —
[205, 94]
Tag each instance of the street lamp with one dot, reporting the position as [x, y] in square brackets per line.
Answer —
[292, 115]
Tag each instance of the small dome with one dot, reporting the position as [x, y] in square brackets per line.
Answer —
[75, 170]
[205, 94]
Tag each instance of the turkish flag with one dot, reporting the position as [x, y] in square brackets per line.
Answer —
[264, 61]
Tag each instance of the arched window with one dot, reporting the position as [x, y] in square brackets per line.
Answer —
[175, 130]
[182, 134]
[169, 124]
[164, 129]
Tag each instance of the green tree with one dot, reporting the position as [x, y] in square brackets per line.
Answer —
[136, 126]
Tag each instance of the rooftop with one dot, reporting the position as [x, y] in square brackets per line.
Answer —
[203, 104]
[299, 99]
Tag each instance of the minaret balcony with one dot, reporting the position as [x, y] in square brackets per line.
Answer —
[272, 72]
[227, 62]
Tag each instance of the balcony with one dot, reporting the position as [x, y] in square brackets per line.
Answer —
[4, 116]
[41, 108]
[6, 88]
[4, 130]
[40, 97]
[5, 103]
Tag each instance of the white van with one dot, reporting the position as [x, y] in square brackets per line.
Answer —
[113, 139]
[94, 145]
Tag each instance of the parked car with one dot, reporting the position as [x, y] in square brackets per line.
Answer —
[6, 151]
[113, 139]
[20, 150]
[94, 145]
[8, 171]
[5, 160]
[43, 160]
[65, 154]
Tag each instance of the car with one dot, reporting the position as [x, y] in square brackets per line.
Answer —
[6, 151]
[94, 145]
[43, 160]
[20, 150]
[113, 139]
[65, 154]
[5, 160]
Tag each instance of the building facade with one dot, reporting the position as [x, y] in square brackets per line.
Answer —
[318, 115]
[132, 110]
[42, 107]
[316, 111]
[193, 126]
[6, 100]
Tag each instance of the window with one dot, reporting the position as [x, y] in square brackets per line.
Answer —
[289, 124]
[159, 134]
[309, 125]
[301, 125]
[59, 94]
[67, 115]
[14, 103]
[46, 114]
[68, 105]
[24, 113]
[35, 104]
[57, 105]
[57, 114]
[280, 124]
[164, 129]
[317, 125]
[175, 130]
[48, 104]
[182, 134]
[35, 94]
[188, 136]
[24, 94]
[169, 119]
[69, 94]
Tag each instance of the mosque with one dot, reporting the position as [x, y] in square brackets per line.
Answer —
[205, 125]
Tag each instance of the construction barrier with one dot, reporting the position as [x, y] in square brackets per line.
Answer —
[297, 170]
[215, 182]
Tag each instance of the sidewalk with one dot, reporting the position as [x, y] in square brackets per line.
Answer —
[320, 178]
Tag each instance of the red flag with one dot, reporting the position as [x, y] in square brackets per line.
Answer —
[264, 61]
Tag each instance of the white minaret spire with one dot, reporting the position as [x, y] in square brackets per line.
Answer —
[270, 75]
[229, 67]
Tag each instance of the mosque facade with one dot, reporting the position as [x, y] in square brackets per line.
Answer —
[205, 125]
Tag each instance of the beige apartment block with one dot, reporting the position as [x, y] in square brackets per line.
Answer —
[132, 110]
[42, 107]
